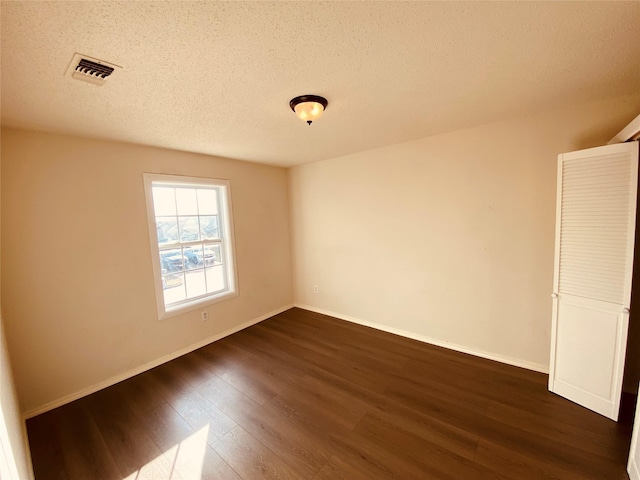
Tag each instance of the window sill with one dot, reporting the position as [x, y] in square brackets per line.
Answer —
[195, 305]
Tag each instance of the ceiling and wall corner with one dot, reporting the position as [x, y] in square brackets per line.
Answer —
[216, 77]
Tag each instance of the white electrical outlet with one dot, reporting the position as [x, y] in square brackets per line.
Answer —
[205, 316]
[316, 289]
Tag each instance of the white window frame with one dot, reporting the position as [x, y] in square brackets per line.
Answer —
[227, 241]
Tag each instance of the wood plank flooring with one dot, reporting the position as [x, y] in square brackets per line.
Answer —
[306, 396]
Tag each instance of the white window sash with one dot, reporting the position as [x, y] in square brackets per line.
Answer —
[226, 242]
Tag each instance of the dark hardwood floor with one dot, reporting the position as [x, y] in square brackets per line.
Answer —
[306, 396]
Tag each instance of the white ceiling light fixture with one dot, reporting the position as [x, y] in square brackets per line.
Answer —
[308, 107]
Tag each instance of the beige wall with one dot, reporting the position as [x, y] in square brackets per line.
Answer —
[448, 238]
[14, 454]
[77, 282]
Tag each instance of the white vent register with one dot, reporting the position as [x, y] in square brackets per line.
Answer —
[92, 70]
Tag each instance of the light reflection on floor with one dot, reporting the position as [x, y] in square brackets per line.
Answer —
[183, 461]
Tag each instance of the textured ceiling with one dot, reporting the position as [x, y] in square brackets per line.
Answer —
[217, 77]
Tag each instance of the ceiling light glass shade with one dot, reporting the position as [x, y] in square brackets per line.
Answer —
[309, 111]
[308, 107]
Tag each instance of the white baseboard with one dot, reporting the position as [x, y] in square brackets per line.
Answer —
[148, 366]
[516, 362]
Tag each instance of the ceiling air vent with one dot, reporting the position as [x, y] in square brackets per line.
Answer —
[90, 70]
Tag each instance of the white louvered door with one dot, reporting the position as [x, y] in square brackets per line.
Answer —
[595, 231]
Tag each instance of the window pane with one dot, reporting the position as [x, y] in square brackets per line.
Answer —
[167, 228]
[189, 230]
[187, 202]
[192, 257]
[209, 228]
[211, 255]
[175, 293]
[172, 280]
[207, 201]
[190, 254]
[195, 283]
[214, 251]
[171, 260]
[216, 280]
[164, 201]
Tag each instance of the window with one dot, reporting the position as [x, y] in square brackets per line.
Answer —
[191, 241]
